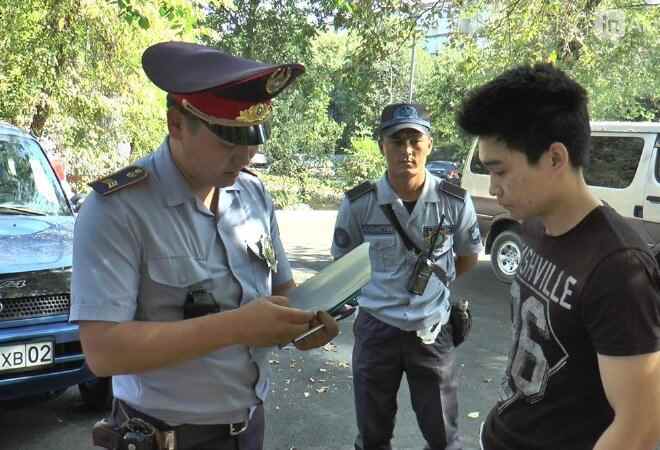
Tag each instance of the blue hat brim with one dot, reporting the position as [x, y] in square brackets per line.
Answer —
[389, 131]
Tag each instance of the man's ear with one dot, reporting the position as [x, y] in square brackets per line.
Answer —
[380, 146]
[175, 121]
[559, 159]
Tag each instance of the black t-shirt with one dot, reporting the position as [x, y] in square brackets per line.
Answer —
[595, 289]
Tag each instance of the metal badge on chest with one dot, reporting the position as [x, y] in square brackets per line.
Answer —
[265, 252]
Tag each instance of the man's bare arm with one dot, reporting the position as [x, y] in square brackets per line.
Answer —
[132, 347]
[632, 386]
[465, 264]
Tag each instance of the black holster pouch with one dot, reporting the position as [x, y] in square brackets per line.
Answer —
[460, 318]
[199, 302]
[135, 434]
[104, 435]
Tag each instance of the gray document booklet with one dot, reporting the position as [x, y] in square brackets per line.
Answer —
[336, 284]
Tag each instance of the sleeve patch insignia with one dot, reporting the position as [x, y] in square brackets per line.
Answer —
[475, 235]
[341, 238]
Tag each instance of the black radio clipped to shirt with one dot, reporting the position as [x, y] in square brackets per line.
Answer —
[199, 302]
[424, 266]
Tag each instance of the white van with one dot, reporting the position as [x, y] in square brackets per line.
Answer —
[624, 171]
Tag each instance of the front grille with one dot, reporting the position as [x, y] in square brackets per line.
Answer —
[48, 370]
[34, 307]
[68, 348]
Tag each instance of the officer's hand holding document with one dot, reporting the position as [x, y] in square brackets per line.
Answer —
[333, 287]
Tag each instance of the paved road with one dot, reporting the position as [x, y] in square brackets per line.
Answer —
[311, 405]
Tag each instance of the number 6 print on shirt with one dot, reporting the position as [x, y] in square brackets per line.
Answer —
[536, 354]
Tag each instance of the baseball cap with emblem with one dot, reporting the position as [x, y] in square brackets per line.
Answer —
[231, 95]
[400, 116]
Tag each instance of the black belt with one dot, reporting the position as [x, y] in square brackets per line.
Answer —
[186, 431]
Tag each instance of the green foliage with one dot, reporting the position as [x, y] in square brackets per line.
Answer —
[278, 32]
[621, 75]
[304, 134]
[364, 88]
[183, 16]
[364, 161]
[287, 191]
[71, 71]
[381, 28]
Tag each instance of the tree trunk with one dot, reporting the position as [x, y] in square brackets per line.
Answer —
[251, 25]
[40, 117]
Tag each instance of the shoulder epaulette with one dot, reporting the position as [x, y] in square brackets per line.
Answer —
[452, 189]
[119, 180]
[246, 170]
[360, 190]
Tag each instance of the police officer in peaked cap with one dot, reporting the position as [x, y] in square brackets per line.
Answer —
[179, 274]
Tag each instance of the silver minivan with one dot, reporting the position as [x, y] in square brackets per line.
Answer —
[624, 171]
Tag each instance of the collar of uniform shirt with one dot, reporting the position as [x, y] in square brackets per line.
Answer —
[387, 195]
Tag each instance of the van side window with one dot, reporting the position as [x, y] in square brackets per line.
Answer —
[476, 166]
[613, 161]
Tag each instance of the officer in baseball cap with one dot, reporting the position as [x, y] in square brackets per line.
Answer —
[401, 116]
[423, 233]
[180, 275]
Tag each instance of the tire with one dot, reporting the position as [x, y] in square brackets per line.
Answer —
[505, 255]
[96, 394]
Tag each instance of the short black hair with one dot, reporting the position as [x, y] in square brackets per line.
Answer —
[528, 108]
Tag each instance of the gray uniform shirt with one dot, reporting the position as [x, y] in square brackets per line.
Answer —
[137, 254]
[386, 296]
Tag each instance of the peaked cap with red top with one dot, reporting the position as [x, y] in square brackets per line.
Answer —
[231, 94]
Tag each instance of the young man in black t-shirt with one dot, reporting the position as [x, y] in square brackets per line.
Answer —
[584, 369]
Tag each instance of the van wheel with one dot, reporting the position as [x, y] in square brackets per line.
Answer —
[97, 393]
[505, 255]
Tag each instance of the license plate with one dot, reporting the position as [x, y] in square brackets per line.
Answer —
[26, 356]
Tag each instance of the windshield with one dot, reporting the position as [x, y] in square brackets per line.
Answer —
[27, 182]
[441, 165]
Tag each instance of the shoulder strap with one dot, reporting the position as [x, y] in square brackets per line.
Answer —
[360, 190]
[452, 189]
[389, 213]
[246, 170]
[117, 181]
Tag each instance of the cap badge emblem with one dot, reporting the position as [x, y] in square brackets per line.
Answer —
[277, 80]
[405, 112]
[255, 114]
[267, 253]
